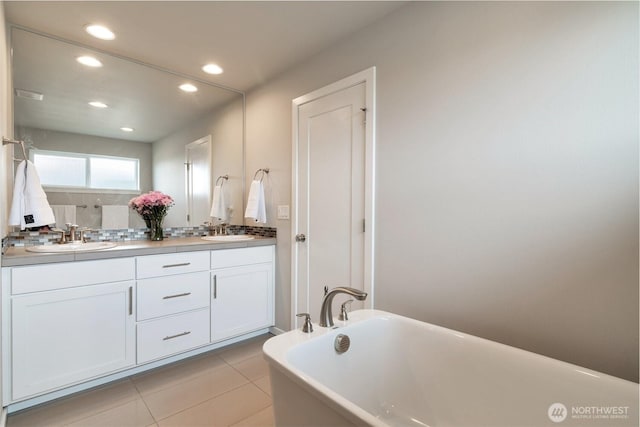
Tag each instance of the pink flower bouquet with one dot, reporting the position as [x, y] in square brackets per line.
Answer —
[153, 207]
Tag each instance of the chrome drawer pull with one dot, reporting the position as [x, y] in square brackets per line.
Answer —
[177, 295]
[176, 336]
[182, 264]
[130, 300]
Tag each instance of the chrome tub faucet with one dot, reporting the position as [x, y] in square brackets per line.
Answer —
[326, 313]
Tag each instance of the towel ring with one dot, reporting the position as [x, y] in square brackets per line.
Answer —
[264, 171]
[223, 178]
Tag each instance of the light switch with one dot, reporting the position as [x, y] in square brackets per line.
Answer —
[283, 211]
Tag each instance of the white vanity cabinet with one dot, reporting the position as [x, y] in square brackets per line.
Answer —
[67, 324]
[243, 291]
[173, 304]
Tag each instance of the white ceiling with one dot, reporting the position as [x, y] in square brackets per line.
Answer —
[252, 41]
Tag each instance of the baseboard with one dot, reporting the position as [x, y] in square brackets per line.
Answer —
[276, 331]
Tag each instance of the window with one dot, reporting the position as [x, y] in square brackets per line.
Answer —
[86, 171]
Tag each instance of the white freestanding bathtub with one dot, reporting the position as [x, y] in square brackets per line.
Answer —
[402, 372]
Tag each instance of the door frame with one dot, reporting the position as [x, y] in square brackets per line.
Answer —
[204, 140]
[368, 77]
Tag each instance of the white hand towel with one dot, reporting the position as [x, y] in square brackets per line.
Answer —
[115, 217]
[255, 203]
[29, 207]
[218, 207]
[65, 214]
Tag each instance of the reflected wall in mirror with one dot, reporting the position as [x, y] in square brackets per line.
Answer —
[164, 120]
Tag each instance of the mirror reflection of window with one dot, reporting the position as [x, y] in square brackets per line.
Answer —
[114, 173]
[57, 170]
[82, 171]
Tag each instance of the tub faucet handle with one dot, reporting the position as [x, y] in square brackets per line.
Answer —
[344, 312]
[307, 328]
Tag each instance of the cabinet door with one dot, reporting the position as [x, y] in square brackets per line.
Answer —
[242, 300]
[67, 336]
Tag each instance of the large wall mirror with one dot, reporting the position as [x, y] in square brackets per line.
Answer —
[183, 142]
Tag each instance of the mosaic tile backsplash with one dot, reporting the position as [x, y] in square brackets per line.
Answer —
[32, 238]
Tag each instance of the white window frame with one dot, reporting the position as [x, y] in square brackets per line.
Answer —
[88, 188]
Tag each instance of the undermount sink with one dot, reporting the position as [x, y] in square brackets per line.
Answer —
[229, 238]
[71, 247]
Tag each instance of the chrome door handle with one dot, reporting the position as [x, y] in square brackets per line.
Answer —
[300, 238]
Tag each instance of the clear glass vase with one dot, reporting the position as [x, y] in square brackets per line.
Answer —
[155, 228]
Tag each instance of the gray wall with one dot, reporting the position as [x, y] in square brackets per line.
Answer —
[89, 144]
[507, 170]
[225, 125]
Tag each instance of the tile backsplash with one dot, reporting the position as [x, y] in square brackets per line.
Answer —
[32, 238]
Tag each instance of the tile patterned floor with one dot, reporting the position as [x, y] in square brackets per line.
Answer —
[226, 387]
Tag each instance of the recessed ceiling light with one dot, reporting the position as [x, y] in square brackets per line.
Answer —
[212, 69]
[188, 87]
[89, 61]
[100, 31]
[98, 104]
[126, 129]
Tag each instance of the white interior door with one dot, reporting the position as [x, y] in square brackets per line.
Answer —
[198, 182]
[332, 191]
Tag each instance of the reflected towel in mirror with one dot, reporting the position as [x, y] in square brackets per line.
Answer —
[29, 206]
[65, 214]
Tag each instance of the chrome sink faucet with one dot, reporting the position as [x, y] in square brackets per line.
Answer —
[326, 314]
[73, 229]
[215, 230]
[73, 234]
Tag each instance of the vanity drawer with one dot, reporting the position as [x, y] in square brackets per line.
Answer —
[161, 296]
[224, 258]
[174, 263]
[174, 334]
[46, 277]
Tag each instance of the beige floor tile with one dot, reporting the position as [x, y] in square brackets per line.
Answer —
[223, 410]
[76, 407]
[264, 384]
[210, 383]
[253, 368]
[169, 376]
[263, 418]
[244, 350]
[131, 414]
